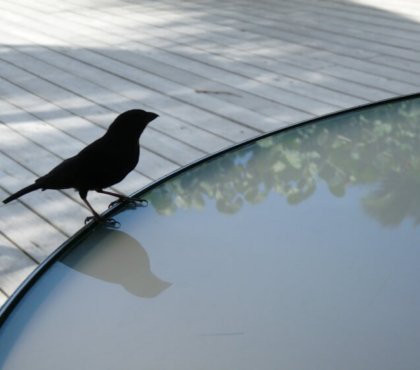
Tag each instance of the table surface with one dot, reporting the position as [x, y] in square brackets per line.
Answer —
[299, 250]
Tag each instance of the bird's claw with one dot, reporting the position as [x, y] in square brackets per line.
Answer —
[114, 203]
[88, 219]
[140, 202]
[131, 201]
[112, 223]
[106, 221]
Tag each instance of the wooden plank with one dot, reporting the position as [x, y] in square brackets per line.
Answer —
[3, 298]
[398, 63]
[56, 141]
[82, 129]
[15, 266]
[196, 137]
[329, 80]
[27, 104]
[265, 12]
[177, 72]
[363, 90]
[166, 145]
[230, 114]
[369, 79]
[64, 213]
[384, 27]
[399, 89]
[296, 34]
[25, 228]
[47, 90]
[53, 93]
[185, 61]
[22, 149]
[239, 21]
[371, 67]
[371, 19]
[254, 87]
[274, 94]
[182, 152]
[376, 14]
[41, 133]
[283, 73]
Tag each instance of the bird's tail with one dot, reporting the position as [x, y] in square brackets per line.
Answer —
[21, 192]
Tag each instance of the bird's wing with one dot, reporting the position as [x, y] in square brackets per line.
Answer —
[75, 171]
[63, 176]
[97, 166]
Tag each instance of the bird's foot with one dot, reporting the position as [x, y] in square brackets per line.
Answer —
[133, 202]
[106, 221]
[111, 222]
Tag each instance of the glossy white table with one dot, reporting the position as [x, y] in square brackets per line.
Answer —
[299, 251]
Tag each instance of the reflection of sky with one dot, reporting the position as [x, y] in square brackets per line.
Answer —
[337, 286]
[243, 158]
[272, 286]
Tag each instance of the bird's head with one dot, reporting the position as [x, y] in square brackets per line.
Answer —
[131, 123]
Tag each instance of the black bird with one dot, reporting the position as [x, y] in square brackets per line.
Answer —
[101, 164]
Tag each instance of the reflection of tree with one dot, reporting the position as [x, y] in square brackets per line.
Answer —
[377, 146]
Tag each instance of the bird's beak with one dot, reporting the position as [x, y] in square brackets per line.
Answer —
[152, 116]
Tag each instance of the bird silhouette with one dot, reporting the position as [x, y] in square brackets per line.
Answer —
[98, 257]
[101, 164]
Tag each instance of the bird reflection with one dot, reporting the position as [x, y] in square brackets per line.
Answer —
[116, 257]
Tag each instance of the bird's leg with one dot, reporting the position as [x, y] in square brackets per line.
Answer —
[96, 216]
[83, 195]
[123, 198]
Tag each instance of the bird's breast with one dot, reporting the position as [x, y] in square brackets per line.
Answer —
[115, 164]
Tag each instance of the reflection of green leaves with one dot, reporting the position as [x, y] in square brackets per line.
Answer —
[358, 148]
[338, 190]
[231, 206]
[390, 203]
[293, 158]
[278, 166]
[322, 137]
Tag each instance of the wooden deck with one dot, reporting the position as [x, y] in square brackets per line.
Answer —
[217, 72]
